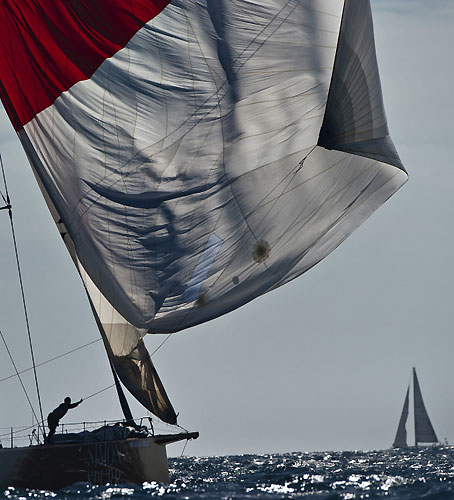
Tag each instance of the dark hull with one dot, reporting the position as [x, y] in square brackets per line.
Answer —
[52, 467]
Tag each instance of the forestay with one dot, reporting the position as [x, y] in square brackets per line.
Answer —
[196, 154]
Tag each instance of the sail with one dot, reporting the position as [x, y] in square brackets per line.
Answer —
[355, 119]
[198, 153]
[400, 440]
[125, 348]
[129, 355]
[424, 432]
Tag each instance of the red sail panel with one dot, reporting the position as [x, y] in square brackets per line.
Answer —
[52, 45]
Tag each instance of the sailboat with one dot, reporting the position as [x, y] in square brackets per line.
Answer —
[424, 431]
[194, 155]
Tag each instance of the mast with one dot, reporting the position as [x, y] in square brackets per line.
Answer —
[121, 396]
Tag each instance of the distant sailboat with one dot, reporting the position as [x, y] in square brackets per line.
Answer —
[424, 431]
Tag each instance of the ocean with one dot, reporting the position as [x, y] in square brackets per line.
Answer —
[426, 473]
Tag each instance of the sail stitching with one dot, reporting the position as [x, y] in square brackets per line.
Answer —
[207, 100]
[184, 317]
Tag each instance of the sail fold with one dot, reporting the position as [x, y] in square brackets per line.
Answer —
[129, 355]
[355, 120]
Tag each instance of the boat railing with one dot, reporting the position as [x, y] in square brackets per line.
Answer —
[14, 437]
[75, 427]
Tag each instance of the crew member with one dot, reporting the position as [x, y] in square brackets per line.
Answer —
[54, 416]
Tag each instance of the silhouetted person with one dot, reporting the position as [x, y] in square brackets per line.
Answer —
[54, 416]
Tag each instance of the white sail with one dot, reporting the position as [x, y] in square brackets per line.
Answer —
[198, 153]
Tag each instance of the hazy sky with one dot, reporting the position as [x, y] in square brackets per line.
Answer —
[319, 364]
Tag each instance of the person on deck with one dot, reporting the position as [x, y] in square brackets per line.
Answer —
[54, 416]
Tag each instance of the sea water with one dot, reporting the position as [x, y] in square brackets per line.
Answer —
[426, 473]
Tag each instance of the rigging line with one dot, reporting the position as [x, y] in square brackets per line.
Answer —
[50, 360]
[18, 375]
[10, 213]
[4, 199]
[4, 179]
[181, 427]
[184, 447]
[15, 431]
[160, 345]
[99, 392]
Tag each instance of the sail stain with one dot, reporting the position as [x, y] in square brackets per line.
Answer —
[261, 251]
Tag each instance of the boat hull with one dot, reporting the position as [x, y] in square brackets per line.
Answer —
[52, 467]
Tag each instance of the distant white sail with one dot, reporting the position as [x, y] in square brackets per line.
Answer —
[198, 153]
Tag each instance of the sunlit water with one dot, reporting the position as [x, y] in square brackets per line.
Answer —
[391, 474]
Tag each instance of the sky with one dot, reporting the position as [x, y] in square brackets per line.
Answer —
[322, 363]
